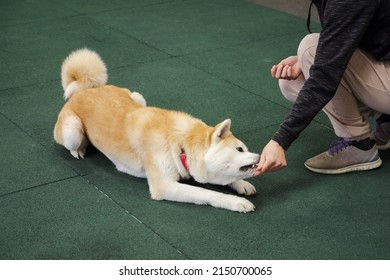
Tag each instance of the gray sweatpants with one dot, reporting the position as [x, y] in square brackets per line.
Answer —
[364, 90]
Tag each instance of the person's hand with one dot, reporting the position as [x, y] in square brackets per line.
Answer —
[271, 159]
[287, 69]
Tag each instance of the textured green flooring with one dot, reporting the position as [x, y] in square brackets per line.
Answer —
[208, 58]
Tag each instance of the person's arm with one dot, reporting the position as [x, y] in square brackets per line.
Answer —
[343, 27]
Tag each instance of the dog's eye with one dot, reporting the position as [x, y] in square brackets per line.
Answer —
[240, 149]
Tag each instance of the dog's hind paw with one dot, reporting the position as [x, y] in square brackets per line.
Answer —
[78, 154]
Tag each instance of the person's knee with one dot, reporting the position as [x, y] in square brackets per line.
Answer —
[288, 90]
[306, 52]
[308, 42]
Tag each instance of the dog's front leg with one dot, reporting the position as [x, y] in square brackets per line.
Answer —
[243, 187]
[163, 185]
[175, 191]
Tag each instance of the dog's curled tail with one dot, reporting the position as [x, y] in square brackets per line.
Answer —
[81, 70]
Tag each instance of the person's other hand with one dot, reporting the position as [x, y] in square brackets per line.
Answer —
[271, 159]
[287, 69]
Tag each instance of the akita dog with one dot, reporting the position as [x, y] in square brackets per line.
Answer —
[163, 146]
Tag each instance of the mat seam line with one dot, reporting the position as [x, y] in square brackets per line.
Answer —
[39, 185]
[137, 219]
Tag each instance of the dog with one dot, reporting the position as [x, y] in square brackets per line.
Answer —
[164, 146]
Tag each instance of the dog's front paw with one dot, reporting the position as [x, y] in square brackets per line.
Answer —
[242, 205]
[243, 187]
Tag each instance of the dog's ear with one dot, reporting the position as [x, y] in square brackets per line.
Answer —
[221, 131]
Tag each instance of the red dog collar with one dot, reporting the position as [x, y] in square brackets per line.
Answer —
[183, 159]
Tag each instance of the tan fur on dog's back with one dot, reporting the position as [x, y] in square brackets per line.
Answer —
[103, 119]
[148, 141]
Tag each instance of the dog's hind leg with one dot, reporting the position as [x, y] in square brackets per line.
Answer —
[69, 132]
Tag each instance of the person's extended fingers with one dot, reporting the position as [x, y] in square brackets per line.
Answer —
[266, 165]
[259, 168]
[257, 172]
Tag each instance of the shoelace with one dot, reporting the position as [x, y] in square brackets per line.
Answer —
[339, 145]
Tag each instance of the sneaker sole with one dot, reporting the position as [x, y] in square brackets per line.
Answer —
[357, 167]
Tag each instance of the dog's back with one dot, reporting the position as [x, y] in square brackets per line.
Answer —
[94, 112]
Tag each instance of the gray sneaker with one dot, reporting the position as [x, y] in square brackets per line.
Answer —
[381, 135]
[343, 157]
